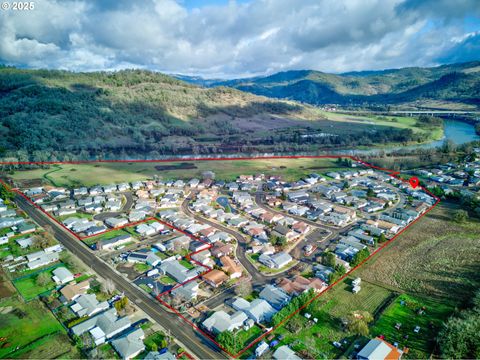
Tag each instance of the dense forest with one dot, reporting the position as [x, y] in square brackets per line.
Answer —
[453, 83]
[60, 115]
[460, 335]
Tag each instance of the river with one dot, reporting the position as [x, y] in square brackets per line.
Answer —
[459, 132]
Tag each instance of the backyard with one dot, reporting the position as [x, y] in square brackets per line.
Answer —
[30, 287]
[411, 312]
[330, 309]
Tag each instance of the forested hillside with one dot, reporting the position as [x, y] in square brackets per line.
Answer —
[453, 83]
[48, 115]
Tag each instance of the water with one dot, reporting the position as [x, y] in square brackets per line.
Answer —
[458, 132]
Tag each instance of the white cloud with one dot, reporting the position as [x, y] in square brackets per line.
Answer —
[235, 38]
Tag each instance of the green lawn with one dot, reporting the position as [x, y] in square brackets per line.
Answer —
[29, 288]
[167, 280]
[77, 215]
[106, 236]
[244, 338]
[106, 351]
[105, 173]
[187, 264]
[156, 338]
[420, 344]
[399, 122]
[141, 268]
[26, 324]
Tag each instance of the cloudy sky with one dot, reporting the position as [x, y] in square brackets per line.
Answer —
[222, 38]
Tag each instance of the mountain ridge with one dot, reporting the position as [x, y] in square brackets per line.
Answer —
[391, 86]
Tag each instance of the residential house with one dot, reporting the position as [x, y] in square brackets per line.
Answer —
[129, 345]
[116, 222]
[220, 249]
[102, 326]
[275, 261]
[215, 278]
[74, 290]
[230, 267]
[379, 349]
[108, 244]
[258, 310]
[220, 321]
[179, 272]
[274, 296]
[62, 275]
[285, 353]
[299, 284]
[88, 305]
[186, 292]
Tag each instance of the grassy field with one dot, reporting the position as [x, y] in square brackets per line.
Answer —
[29, 288]
[399, 122]
[435, 258]
[106, 173]
[405, 310]
[106, 236]
[330, 309]
[25, 324]
[48, 347]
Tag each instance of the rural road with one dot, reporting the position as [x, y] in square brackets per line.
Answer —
[201, 346]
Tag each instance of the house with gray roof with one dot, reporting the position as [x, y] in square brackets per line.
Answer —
[87, 304]
[186, 292]
[155, 355]
[274, 296]
[130, 345]
[220, 321]
[179, 272]
[41, 260]
[102, 326]
[285, 353]
[275, 261]
[62, 275]
[258, 310]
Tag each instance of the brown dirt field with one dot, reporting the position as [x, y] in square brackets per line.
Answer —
[435, 257]
[6, 287]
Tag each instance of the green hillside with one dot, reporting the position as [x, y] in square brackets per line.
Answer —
[458, 83]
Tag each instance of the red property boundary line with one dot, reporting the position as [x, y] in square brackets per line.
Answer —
[391, 173]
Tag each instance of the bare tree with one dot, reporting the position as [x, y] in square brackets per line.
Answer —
[108, 286]
[244, 288]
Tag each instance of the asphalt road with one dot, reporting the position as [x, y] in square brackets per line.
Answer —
[201, 346]
[257, 278]
[126, 208]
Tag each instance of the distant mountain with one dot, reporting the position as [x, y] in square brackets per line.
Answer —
[452, 83]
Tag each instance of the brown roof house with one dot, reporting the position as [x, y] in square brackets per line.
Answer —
[215, 278]
[74, 290]
[231, 267]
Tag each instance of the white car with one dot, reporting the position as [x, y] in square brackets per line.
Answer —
[417, 329]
